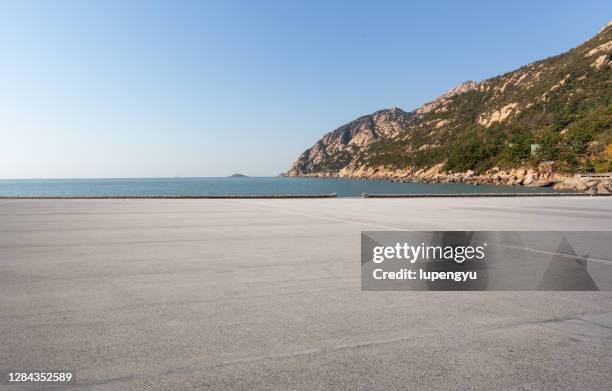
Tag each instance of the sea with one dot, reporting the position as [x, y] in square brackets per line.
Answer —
[237, 186]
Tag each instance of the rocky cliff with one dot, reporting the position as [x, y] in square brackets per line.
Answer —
[557, 111]
[336, 148]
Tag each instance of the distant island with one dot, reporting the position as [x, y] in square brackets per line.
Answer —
[238, 176]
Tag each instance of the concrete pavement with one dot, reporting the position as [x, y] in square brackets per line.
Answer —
[265, 294]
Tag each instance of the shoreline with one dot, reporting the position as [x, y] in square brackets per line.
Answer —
[545, 176]
[313, 196]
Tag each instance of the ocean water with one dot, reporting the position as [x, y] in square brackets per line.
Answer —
[234, 186]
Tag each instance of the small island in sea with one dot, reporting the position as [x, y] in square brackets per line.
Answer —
[238, 176]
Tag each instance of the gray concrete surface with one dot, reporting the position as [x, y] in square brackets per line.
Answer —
[265, 294]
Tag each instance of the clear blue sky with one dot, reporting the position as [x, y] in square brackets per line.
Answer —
[178, 88]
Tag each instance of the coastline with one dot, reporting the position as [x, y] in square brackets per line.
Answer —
[545, 175]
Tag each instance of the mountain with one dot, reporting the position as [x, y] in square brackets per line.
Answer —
[545, 119]
[336, 149]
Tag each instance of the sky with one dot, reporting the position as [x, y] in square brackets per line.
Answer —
[94, 89]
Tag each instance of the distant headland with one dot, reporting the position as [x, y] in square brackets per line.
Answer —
[547, 123]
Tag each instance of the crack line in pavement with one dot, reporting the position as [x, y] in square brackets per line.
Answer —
[578, 317]
[553, 253]
[307, 352]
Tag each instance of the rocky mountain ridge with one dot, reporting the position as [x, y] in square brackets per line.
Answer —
[335, 148]
[557, 110]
